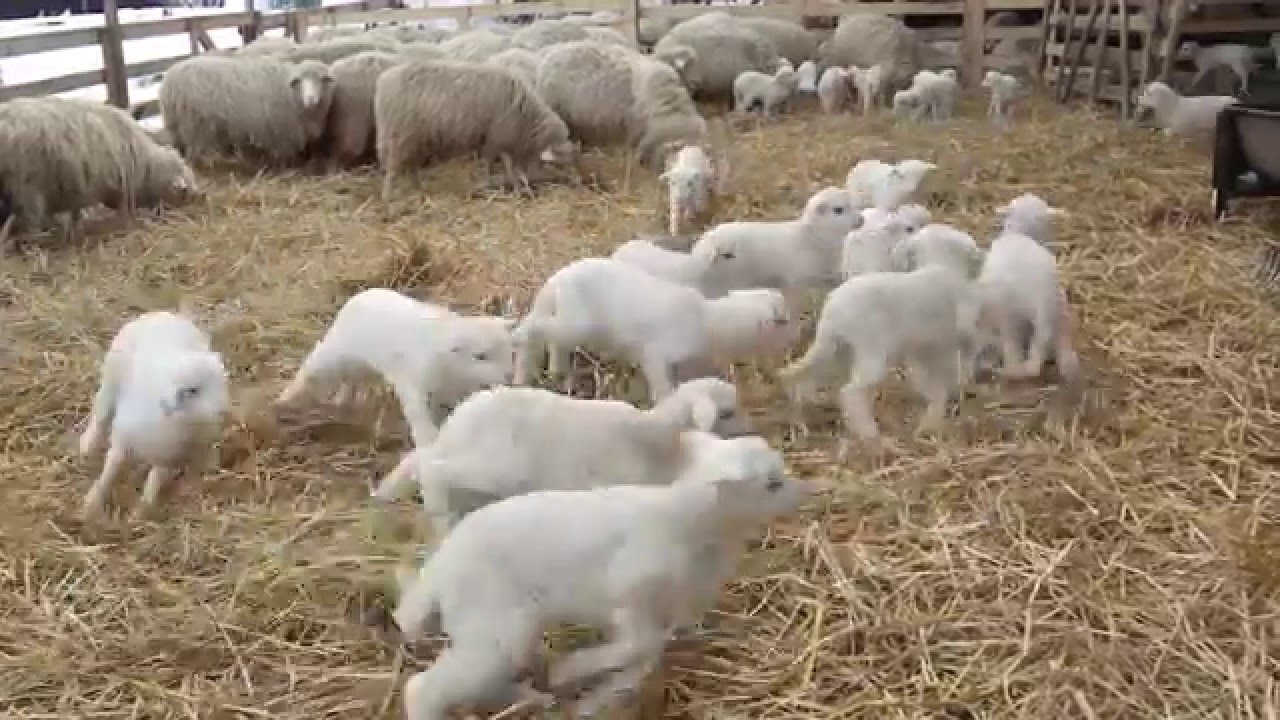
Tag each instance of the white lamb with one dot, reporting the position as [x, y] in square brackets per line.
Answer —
[939, 91]
[432, 357]
[909, 104]
[878, 184]
[869, 82]
[1019, 286]
[661, 326]
[162, 400]
[1239, 58]
[938, 244]
[927, 318]
[833, 89]
[515, 440]
[1004, 89]
[791, 255]
[752, 89]
[1275, 49]
[638, 560]
[1030, 215]
[678, 267]
[914, 215]
[691, 179]
[1179, 115]
[807, 77]
[870, 248]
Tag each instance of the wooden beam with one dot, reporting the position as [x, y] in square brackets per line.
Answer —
[1125, 70]
[973, 62]
[53, 85]
[116, 76]
[47, 42]
[1169, 46]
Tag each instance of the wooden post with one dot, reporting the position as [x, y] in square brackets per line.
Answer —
[1172, 40]
[251, 31]
[973, 59]
[1104, 38]
[634, 25]
[113, 68]
[1064, 91]
[1047, 22]
[1125, 80]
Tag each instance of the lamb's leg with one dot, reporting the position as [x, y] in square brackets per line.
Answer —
[1010, 346]
[157, 478]
[323, 362]
[1242, 72]
[928, 376]
[104, 404]
[476, 675]
[1042, 337]
[414, 404]
[95, 502]
[638, 640]
[388, 183]
[856, 397]
[658, 374]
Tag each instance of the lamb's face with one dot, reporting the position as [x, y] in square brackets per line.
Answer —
[713, 405]
[752, 486]
[480, 352]
[195, 388]
[914, 217]
[830, 214]
[312, 86]
[1154, 95]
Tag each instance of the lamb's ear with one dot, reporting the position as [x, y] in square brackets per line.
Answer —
[705, 413]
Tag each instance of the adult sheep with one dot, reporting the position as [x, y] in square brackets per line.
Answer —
[519, 62]
[791, 39]
[350, 134]
[268, 46]
[334, 50]
[475, 45]
[63, 155]
[274, 108]
[432, 111]
[725, 48]
[545, 33]
[867, 39]
[609, 95]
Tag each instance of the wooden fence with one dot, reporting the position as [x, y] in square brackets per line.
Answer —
[970, 30]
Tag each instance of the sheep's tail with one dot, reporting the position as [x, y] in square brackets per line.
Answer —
[397, 483]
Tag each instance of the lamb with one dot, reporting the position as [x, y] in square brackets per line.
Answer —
[1019, 285]
[791, 255]
[432, 357]
[515, 440]
[807, 78]
[609, 95]
[519, 62]
[929, 318]
[914, 216]
[437, 110]
[1004, 89]
[691, 180]
[638, 559]
[875, 183]
[725, 48]
[661, 326]
[870, 83]
[1030, 215]
[1239, 58]
[871, 247]
[909, 103]
[351, 133]
[833, 89]
[937, 244]
[64, 155]
[791, 39]
[475, 45]
[754, 89]
[936, 92]
[544, 33]
[678, 267]
[1186, 116]
[162, 399]
[213, 104]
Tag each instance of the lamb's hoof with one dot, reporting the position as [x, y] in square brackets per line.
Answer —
[88, 443]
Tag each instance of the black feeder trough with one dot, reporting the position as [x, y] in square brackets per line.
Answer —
[1246, 154]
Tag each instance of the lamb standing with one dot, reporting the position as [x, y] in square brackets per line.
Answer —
[870, 248]
[869, 83]
[807, 78]
[753, 90]
[1030, 215]
[691, 180]
[938, 244]
[877, 184]
[1003, 89]
[1239, 58]
[432, 357]
[1185, 116]
[657, 324]
[833, 89]
[162, 399]
[637, 559]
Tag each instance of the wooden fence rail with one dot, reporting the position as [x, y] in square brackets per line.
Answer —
[113, 34]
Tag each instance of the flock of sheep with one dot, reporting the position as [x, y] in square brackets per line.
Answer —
[547, 508]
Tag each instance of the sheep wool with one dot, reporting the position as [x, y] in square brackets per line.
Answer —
[544, 33]
[833, 89]
[475, 45]
[868, 38]
[351, 127]
[789, 38]
[519, 62]
[724, 49]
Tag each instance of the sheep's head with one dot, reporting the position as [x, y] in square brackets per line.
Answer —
[746, 479]
[712, 406]
[180, 183]
[194, 387]
[829, 213]
[914, 217]
[684, 60]
[913, 171]
[479, 351]
[1188, 49]
[312, 86]
[1029, 215]
[689, 177]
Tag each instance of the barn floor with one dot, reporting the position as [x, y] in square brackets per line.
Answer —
[1121, 564]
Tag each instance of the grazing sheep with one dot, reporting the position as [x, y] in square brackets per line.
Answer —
[937, 244]
[652, 322]
[789, 38]
[866, 39]
[635, 559]
[691, 181]
[807, 78]
[877, 184]
[475, 45]
[268, 46]
[1030, 215]
[432, 111]
[833, 89]
[684, 61]
[519, 62]
[332, 51]
[927, 318]
[214, 104]
[432, 357]
[64, 155]
[1004, 89]
[609, 95]
[544, 33]
[1186, 116]
[724, 49]
[790, 255]
[515, 440]
[1239, 58]
[869, 83]
[351, 136]
[162, 399]
[767, 92]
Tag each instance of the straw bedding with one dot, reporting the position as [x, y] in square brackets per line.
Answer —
[1119, 561]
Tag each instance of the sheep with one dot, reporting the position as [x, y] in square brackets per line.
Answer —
[609, 95]
[544, 33]
[691, 181]
[937, 244]
[1239, 58]
[429, 52]
[515, 440]
[724, 49]
[1178, 115]
[875, 183]
[909, 103]
[807, 78]
[936, 93]
[432, 357]
[790, 255]
[519, 62]
[1030, 215]
[870, 248]
[65, 155]
[655, 323]
[833, 89]
[678, 267]
[1019, 286]
[637, 559]
[789, 38]
[436, 110]
[265, 45]
[608, 35]
[928, 318]
[316, 35]
[332, 51]
[914, 215]
[1004, 89]
[280, 110]
[870, 38]
[869, 83]
[754, 89]
[475, 45]
[350, 132]
[162, 399]
[409, 34]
